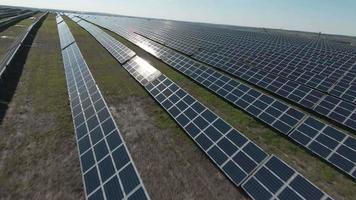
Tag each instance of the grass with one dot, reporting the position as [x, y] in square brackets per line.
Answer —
[320, 173]
[38, 151]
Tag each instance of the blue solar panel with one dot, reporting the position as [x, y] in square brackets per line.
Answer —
[276, 180]
[59, 19]
[327, 142]
[66, 37]
[107, 168]
[301, 81]
[121, 52]
[269, 110]
[230, 150]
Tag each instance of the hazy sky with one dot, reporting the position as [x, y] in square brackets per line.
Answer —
[327, 16]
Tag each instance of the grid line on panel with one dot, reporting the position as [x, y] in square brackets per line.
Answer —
[282, 83]
[100, 160]
[230, 150]
[306, 95]
[276, 180]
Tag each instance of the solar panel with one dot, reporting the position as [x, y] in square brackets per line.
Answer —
[276, 180]
[66, 38]
[232, 152]
[271, 66]
[327, 142]
[107, 167]
[121, 52]
[338, 110]
[269, 110]
[273, 112]
[59, 19]
[345, 91]
[195, 121]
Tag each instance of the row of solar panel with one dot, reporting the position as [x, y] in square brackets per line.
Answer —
[121, 51]
[302, 95]
[190, 44]
[8, 14]
[338, 110]
[230, 37]
[189, 38]
[66, 38]
[107, 167]
[8, 21]
[343, 113]
[228, 55]
[271, 111]
[315, 75]
[230, 150]
[17, 43]
[325, 83]
[59, 19]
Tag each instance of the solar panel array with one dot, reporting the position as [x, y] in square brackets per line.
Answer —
[235, 155]
[66, 37]
[269, 110]
[328, 143]
[121, 52]
[276, 180]
[59, 19]
[273, 112]
[231, 151]
[18, 42]
[16, 18]
[107, 167]
[10, 12]
[301, 71]
[74, 18]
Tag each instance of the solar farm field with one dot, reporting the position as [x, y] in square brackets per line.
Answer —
[112, 107]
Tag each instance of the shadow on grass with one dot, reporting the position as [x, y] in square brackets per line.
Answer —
[12, 74]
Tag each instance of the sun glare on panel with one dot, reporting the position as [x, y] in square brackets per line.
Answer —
[147, 48]
[146, 69]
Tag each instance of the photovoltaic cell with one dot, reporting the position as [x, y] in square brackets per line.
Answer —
[269, 110]
[338, 110]
[121, 52]
[230, 150]
[59, 19]
[239, 156]
[276, 180]
[303, 82]
[327, 142]
[107, 168]
[66, 37]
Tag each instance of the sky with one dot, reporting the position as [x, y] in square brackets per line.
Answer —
[326, 16]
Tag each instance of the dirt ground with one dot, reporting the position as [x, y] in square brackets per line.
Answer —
[38, 154]
[170, 164]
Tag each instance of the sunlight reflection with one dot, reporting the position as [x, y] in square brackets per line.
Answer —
[146, 70]
[148, 48]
